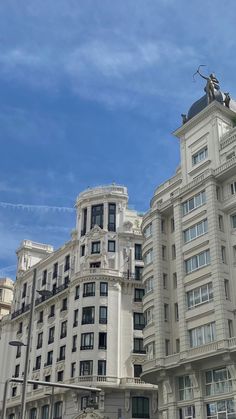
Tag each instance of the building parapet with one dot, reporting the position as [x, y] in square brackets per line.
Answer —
[228, 138]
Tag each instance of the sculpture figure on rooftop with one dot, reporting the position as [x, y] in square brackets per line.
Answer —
[212, 85]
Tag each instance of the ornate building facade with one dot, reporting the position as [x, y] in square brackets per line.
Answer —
[6, 296]
[88, 328]
[189, 255]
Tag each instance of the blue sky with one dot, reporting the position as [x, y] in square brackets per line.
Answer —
[90, 93]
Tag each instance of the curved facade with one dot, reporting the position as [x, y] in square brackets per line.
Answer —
[89, 331]
[189, 274]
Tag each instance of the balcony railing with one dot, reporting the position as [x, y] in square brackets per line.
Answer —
[132, 276]
[39, 300]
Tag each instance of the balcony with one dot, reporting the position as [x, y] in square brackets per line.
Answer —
[132, 276]
[38, 301]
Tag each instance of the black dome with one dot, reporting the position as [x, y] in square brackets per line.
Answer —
[202, 103]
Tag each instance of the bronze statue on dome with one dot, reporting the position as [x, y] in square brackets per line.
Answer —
[212, 85]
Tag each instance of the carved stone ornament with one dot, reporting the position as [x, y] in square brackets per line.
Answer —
[89, 414]
[128, 226]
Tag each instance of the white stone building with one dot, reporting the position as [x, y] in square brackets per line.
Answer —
[189, 254]
[89, 331]
[6, 296]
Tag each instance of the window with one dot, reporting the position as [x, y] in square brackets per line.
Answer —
[220, 222]
[197, 261]
[218, 381]
[17, 371]
[139, 321]
[138, 273]
[88, 315]
[149, 285]
[40, 318]
[111, 217]
[14, 391]
[148, 315]
[84, 222]
[72, 369]
[166, 312]
[164, 280]
[150, 351]
[167, 347]
[147, 258]
[64, 304]
[37, 362]
[77, 290]
[185, 388]
[175, 280]
[95, 265]
[226, 286]
[177, 345]
[194, 202]
[20, 328]
[230, 328]
[52, 311]
[173, 251]
[44, 277]
[86, 368]
[195, 231]
[60, 375]
[172, 225]
[49, 358]
[55, 270]
[63, 329]
[202, 335]
[137, 370]
[163, 226]
[234, 254]
[76, 315]
[138, 251]
[138, 346]
[33, 413]
[140, 407]
[104, 289]
[163, 252]
[97, 215]
[199, 156]
[224, 409]
[84, 402]
[111, 246]
[199, 295]
[62, 353]
[103, 315]
[147, 232]
[24, 290]
[82, 250]
[67, 263]
[40, 340]
[47, 378]
[102, 340]
[138, 294]
[11, 416]
[102, 364]
[233, 188]
[58, 407]
[95, 247]
[74, 343]
[233, 220]
[87, 340]
[223, 254]
[51, 333]
[187, 412]
[18, 351]
[45, 412]
[176, 312]
[89, 289]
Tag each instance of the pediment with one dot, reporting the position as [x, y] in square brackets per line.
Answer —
[96, 232]
[89, 414]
